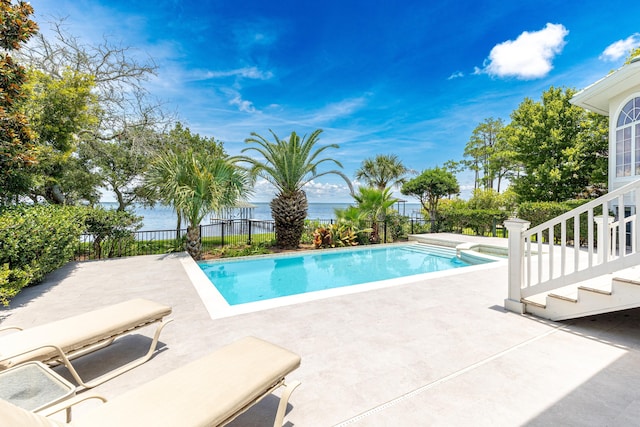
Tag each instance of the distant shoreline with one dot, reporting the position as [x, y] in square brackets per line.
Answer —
[163, 217]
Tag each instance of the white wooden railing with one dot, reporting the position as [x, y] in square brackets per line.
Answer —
[553, 254]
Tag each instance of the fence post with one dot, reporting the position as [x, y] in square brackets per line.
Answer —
[412, 232]
[385, 232]
[221, 233]
[515, 227]
[493, 228]
[249, 240]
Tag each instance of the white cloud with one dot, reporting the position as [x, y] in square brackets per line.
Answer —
[529, 56]
[243, 105]
[338, 110]
[247, 72]
[327, 191]
[456, 75]
[620, 48]
[264, 191]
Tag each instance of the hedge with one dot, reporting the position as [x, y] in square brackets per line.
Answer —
[35, 240]
[481, 221]
[540, 212]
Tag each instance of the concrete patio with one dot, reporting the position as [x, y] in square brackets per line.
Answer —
[440, 351]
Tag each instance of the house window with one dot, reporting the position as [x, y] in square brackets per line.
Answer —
[628, 139]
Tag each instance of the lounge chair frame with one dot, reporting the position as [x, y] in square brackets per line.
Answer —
[212, 390]
[58, 355]
[288, 389]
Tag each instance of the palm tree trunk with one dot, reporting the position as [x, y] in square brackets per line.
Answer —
[193, 244]
[289, 212]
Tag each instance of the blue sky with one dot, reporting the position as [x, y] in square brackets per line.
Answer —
[410, 78]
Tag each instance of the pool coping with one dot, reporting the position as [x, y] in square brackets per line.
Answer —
[219, 308]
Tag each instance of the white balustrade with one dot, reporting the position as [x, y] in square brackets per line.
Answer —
[569, 249]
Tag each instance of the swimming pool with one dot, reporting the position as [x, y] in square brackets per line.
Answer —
[248, 280]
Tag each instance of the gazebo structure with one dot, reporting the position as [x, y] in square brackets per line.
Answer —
[241, 210]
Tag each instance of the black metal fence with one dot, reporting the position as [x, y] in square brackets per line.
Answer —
[237, 232]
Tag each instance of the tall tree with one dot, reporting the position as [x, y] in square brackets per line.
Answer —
[120, 164]
[454, 167]
[126, 115]
[58, 109]
[481, 149]
[289, 164]
[195, 184]
[502, 160]
[382, 171]
[17, 151]
[431, 186]
[181, 137]
[560, 147]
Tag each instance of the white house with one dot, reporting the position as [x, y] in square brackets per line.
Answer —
[587, 261]
[618, 96]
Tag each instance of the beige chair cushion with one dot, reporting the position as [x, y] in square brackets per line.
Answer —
[77, 332]
[13, 416]
[206, 392]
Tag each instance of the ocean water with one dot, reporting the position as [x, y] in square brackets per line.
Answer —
[164, 218]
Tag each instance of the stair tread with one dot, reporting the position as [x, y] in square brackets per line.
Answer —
[603, 284]
[630, 275]
[567, 297]
[599, 284]
[596, 290]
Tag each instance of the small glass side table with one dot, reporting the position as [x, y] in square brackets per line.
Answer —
[33, 386]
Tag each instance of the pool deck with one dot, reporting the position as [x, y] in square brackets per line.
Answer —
[440, 351]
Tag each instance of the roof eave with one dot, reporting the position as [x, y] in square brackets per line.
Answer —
[596, 96]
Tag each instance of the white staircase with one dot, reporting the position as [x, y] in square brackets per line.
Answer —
[553, 278]
[601, 294]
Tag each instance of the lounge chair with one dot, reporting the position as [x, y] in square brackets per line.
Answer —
[212, 391]
[63, 340]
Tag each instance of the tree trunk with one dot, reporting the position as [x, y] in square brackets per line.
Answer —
[54, 195]
[178, 223]
[289, 212]
[193, 244]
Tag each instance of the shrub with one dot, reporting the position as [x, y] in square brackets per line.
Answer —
[335, 235]
[245, 250]
[397, 226]
[457, 218]
[111, 231]
[539, 212]
[310, 226]
[35, 240]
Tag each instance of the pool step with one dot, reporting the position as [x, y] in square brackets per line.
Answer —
[440, 251]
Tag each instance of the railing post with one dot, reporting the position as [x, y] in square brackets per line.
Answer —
[601, 241]
[515, 227]
[249, 240]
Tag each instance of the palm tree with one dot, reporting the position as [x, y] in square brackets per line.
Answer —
[382, 171]
[289, 165]
[196, 184]
[374, 205]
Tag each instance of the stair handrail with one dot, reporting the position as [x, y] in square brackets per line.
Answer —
[532, 263]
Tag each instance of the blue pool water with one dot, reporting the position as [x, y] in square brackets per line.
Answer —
[262, 278]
